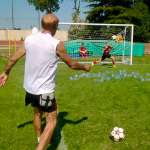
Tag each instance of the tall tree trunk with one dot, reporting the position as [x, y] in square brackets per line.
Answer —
[76, 14]
[49, 10]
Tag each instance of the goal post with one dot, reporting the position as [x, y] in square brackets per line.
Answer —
[92, 37]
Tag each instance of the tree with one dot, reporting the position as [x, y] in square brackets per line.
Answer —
[147, 2]
[74, 29]
[46, 5]
[136, 12]
[76, 14]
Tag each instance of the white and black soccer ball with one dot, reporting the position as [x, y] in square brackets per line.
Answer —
[117, 134]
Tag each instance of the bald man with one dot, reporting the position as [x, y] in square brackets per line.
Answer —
[42, 51]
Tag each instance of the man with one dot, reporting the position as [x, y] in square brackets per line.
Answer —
[83, 51]
[106, 54]
[42, 51]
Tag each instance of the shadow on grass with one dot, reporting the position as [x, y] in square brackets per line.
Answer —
[61, 122]
[24, 124]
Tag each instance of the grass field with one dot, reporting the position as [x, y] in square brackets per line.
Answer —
[89, 107]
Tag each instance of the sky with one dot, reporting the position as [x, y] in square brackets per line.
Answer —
[25, 15]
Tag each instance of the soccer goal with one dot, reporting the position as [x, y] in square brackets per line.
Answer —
[86, 41]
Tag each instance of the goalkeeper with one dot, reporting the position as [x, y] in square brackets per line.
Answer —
[106, 54]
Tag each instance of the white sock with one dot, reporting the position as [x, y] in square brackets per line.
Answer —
[38, 139]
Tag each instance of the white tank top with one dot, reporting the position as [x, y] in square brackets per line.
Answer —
[40, 64]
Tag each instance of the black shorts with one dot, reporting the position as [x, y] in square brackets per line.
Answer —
[106, 56]
[45, 102]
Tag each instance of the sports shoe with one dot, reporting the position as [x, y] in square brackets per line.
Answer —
[38, 140]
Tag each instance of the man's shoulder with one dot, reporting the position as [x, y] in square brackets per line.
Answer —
[28, 37]
[31, 36]
[54, 38]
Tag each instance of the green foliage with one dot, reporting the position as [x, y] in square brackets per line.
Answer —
[147, 2]
[45, 5]
[122, 11]
[76, 14]
[74, 30]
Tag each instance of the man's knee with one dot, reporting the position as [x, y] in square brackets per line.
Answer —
[112, 57]
[37, 112]
[52, 118]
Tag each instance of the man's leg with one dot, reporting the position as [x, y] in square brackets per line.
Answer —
[51, 119]
[100, 59]
[82, 55]
[37, 121]
[113, 60]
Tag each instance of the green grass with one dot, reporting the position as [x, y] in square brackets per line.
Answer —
[88, 110]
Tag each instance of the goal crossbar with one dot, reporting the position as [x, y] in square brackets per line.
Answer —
[96, 24]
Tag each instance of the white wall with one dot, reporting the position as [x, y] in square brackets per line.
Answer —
[16, 35]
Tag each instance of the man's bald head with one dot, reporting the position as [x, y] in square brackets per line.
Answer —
[50, 22]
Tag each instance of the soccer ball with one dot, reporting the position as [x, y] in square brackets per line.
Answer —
[118, 38]
[114, 37]
[117, 134]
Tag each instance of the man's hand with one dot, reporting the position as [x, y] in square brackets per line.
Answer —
[95, 62]
[3, 79]
[12, 61]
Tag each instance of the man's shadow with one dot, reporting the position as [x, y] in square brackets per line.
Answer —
[61, 122]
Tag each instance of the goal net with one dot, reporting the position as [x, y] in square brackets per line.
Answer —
[86, 41]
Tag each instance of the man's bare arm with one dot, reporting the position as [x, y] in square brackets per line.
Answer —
[11, 62]
[61, 52]
[13, 59]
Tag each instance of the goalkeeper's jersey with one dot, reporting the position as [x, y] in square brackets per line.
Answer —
[40, 63]
[106, 51]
